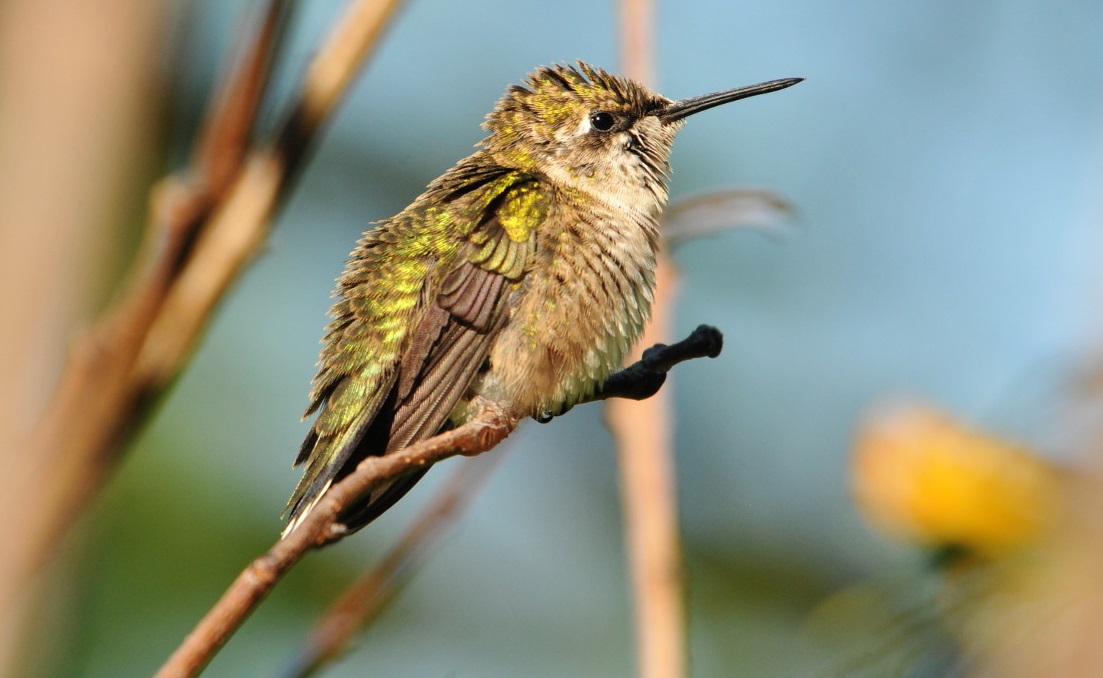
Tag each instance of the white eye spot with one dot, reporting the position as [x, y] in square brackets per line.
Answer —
[583, 127]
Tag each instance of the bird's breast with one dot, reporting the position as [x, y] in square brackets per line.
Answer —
[577, 312]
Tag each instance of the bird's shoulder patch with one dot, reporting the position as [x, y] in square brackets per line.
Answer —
[523, 207]
[505, 241]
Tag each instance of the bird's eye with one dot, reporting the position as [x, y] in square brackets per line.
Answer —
[602, 121]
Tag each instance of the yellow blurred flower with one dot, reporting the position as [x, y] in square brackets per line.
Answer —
[921, 475]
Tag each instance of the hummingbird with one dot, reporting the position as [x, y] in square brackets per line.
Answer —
[522, 275]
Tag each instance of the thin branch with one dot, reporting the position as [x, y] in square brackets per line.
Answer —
[642, 379]
[369, 595]
[637, 33]
[77, 127]
[644, 436]
[224, 139]
[321, 527]
[332, 70]
[98, 401]
[205, 224]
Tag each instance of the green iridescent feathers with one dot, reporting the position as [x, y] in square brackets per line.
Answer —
[419, 303]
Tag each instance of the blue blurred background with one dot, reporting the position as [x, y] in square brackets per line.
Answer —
[944, 161]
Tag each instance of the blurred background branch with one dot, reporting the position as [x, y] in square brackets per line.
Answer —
[643, 433]
[79, 92]
[367, 597]
[205, 224]
[120, 364]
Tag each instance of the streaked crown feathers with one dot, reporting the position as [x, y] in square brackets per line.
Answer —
[553, 96]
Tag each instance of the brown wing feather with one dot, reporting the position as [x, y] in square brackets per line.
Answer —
[446, 349]
[453, 363]
[450, 346]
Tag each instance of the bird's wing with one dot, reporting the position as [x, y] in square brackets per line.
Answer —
[415, 323]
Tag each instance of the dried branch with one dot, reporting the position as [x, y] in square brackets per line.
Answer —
[77, 124]
[369, 595]
[642, 379]
[204, 224]
[332, 70]
[643, 432]
[102, 395]
[366, 598]
[321, 527]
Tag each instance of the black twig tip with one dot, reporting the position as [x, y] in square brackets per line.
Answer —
[644, 378]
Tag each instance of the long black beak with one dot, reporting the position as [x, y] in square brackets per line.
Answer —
[686, 107]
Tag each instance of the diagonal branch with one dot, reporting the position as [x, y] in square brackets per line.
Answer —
[320, 527]
[369, 595]
[204, 224]
[101, 398]
[491, 425]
